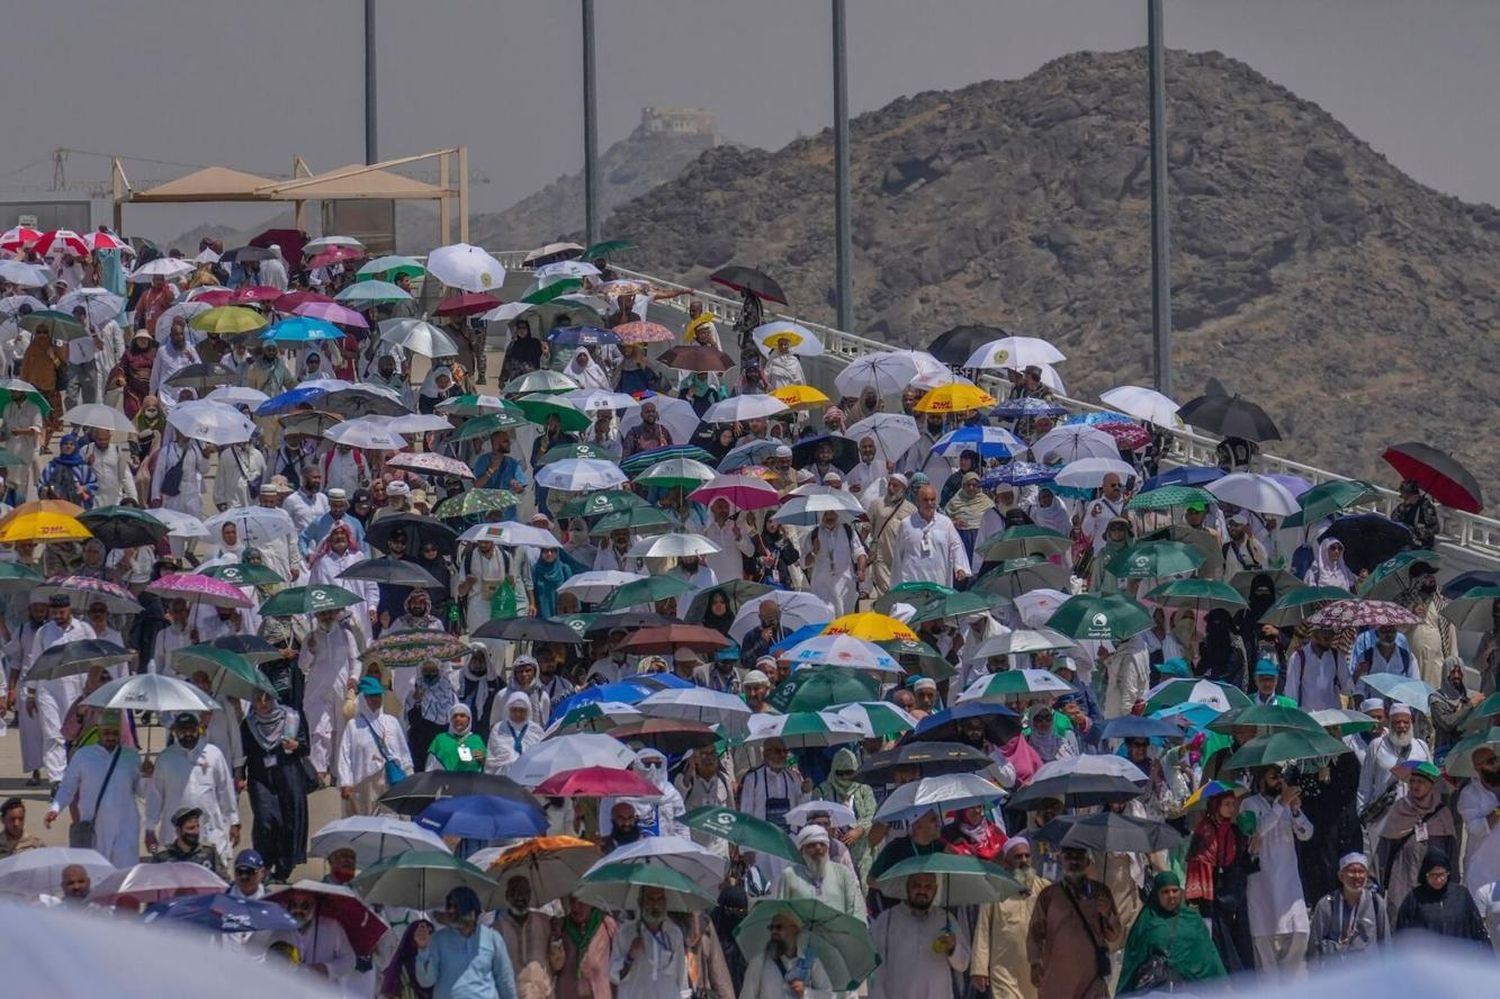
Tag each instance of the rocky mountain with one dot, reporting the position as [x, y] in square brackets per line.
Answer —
[1359, 307]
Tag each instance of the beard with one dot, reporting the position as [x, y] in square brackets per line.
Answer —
[1025, 876]
[1401, 740]
[817, 867]
[630, 835]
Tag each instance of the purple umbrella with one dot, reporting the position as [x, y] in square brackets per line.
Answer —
[1295, 484]
[332, 312]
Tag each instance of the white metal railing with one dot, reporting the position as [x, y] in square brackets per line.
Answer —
[1470, 532]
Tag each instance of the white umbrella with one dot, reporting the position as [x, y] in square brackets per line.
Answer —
[676, 415]
[1073, 441]
[600, 716]
[1053, 380]
[1022, 641]
[807, 509]
[374, 838]
[875, 717]
[206, 256]
[1037, 606]
[39, 872]
[312, 246]
[839, 815]
[23, 274]
[894, 434]
[256, 524]
[699, 704]
[739, 408]
[798, 609]
[412, 423]
[1011, 684]
[10, 305]
[805, 729]
[504, 313]
[100, 417]
[566, 269]
[417, 336]
[595, 401]
[151, 692]
[583, 749]
[678, 853]
[364, 435]
[593, 586]
[1143, 404]
[942, 793]
[100, 304]
[1014, 352]
[887, 372]
[1257, 493]
[580, 475]
[467, 267]
[842, 650]
[807, 343]
[187, 310]
[673, 546]
[510, 532]
[1089, 473]
[214, 422]
[180, 525]
[167, 267]
[238, 395]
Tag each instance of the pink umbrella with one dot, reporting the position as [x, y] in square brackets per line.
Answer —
[201, 589]
[144, 884]
[643, 332]
[435, 464]
[745, 492]
[335, 255]
[344, 906]
[1362, 614]
[215, 297]
[596, 782]
[1130, 436]
[253, 294]
[332, 312]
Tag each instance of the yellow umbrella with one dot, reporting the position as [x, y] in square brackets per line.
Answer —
[44, 527]
[955, 398]
[871, 627]
[228, 319]
[42, 506]
[797, 396]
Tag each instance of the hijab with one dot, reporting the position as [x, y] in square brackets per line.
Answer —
[546, 578]
[1328, 572]
[401, 974]
[968, 509]
[437, 698]
[153, 424]
[1218, 638]
[525, 349]
[1021, 756]
[429, 384]
[268, 728]
[517, 736]
[460, 708]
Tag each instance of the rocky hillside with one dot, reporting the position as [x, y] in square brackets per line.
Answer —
[1358, 306]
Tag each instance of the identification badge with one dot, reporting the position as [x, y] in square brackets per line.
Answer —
[1421, 832]
[465, 754]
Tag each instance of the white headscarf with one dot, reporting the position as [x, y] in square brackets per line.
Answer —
[429, 384]
[1328, 572]
[517, 735]
[591, 375]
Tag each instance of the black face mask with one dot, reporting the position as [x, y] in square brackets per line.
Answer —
[623, 835]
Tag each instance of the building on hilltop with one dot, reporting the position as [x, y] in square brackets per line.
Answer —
[680, 121]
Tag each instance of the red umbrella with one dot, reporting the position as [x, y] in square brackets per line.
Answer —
[1438, 473]
[1362, 614]
[668, 637]
[215, 297]
[344, 907]
[254, 294]
[289, 301]
[291, 242]
[18, 238]
[596, 782]
[470, 303]
[671, 737]
[335, 255]
[61, 241]
[101, 240]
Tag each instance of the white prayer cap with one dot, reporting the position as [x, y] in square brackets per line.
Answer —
[1372, 704]
[1015, 843]
[1354, 858]
[398, 488]
[925, 683]
[1398, 709]
[811, 834]
[896, 477]
[337, 493]
[782, 451]
[755, 676]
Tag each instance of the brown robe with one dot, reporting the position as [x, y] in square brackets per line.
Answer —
[1060, 945]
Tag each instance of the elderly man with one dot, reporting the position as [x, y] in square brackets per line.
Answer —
[1378, 786]
[868, 470]
[1273, 894]
[338, 515]
[320, 940]
[193, 774]
[172, 357]
[104, 781]
[111, 462]
[887, 510]
[648, 958]
[50, 699]
[919, 944]
[727, 530]
[833, 884]
[772, 789]
[1073, 927]
[928, 547]
[835, 563]
[999, 964]
[786, 967]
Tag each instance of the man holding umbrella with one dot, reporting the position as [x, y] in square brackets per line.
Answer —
[919, 944]
[320, 940]
[785, 964]
[648, 960]
[1418, 513]
[1278, 913]
[833, 884]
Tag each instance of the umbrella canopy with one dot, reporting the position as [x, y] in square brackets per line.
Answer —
[1362, 614]
[802, 729]
[156, 882]
[1395, 579]
[412, 648]
[1328, 498]
[644, 591]
[575, 752]
[1400, 688]
[743, 830]
[839, 941]
[150, 692]
[222, 914]
[1015, 685]
[552, 865]
[1074, 442]
[870, 626]
[961, 880]
[1082, 780]
[1012, 578]
[1143, 404]
[76, 658]
[946, 793]
[1199, 594]
[200, 589]
[417, 336]
[256, 525]
[1001, 723]
[1475, 610]
[1265, 718]
[954, 397]
[123, 526]
[1229, 416]
[813, 688]
[696, 357]
[467, 267]
[751, 280]
[1167, 497]
[1154, 559]
[807, 510]
[1109, 832]
[1284, 747]
[1140, 727]
[579, 475]
[420, 879]
[373, 838]
[1100, 617]
[308, 600]
[42, 526]
[844, 651]
[1438, 473]
[699, 864]
[85, 591]
[394, 571]
[1090, 473]
[1257, 493]
[482, 816]
[1013, 352]
[1023, 641]
[30, 873]
[1297, 605]
[616, 887]
[1458, 763]
[1182, 690]
[419, 531]
[1023, 540]
[419, 790]
[1368, 539]
[990, 442]
[879, 719]
[597, 781]
[229, 673]
[929, 758]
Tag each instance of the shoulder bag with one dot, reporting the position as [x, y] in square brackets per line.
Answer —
[1102, 966]
[394, 772]
[81, 834]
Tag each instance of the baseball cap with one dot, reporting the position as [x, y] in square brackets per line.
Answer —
[249, 860]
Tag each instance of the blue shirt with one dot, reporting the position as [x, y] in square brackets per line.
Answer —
[1365, 641]
[312, 536]
[509, 473]
[474, 967]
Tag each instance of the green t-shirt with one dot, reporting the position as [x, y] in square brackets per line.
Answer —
[458, 756]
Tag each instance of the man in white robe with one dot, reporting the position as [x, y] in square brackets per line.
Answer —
[327, 569]
[648, 959]
[1479, 809]
[308, 503]
[237, 479]
[1398, 745]
[829, 882]
[1317, 673]
[23, 428]
[17, 662]
[730, 533]
[178, 634]
[330, 661]
[369, 742]
[928, 547]
[172, 357]
[1278, 913]
[53, 697]
[836, 562]
[282, 555]
[1106, 507]
[785, 963]
[116, 480]
[693, 571]
[111, 806]
[320, 940]
[180, 452]
[919, 944]
[1128, 676]
[192, 773]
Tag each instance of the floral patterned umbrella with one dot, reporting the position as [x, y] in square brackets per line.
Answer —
[1130, 436]
[412, 648]
[200, 589]
[1362, 614]
[86, 590]
[642, 331]
[433, 464]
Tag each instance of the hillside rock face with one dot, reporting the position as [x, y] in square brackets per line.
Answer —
[1359, 307]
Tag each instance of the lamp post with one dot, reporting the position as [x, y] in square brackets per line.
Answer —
[590, 131]
[1161, 272]
[843, 246]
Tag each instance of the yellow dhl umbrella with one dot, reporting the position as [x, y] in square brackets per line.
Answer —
[796, 396]
[44, 527]
[871, 627]
[955, 398]
[228, 320]
[43, 506]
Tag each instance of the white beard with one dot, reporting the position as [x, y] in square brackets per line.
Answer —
[1401, 740]
[816, 867]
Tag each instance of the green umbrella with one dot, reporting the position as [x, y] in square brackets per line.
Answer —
[736, 592]
[539, 407]
[420, 879]
[123, 526]
[477, 405]
[606, 248]
[1475, 610]
[1391, 579]
[1107, 617]
[1152, 559]
[592, 451]
[390, 268]
[813, 688]
[243, 574]
[15, 577]
[544, 381]
[229, 673]
[1328, 498]
[1296, 606]
[29, 390]
[61, 325]
[676, 472]
[617, 887]
[1167, 497]
[642, 460]
[838, 940]
[1266, 718]
[957, 605]
[595, 716]
[743, 830]
[1460, 759]
[919, 657]
[644, 591]
[1199, 594]
[1184, 690]
[476, 501]
[961, 880]
[1024, 539]
[557, 289]
[638, 520]
[483, 426]
[309, 600]
[598, 504]
[1023, 574]
[1283, 748]
[1342, 720]
[916, 592]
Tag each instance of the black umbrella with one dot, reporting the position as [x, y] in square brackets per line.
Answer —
[391, 571]
[528, 629]
[123, 527]
[957, 345]
[1368, 538]
[1077, 790]
[749, 279]
[629, 620]
[361, 400]
[420, 790]
[252, 647]
[418, 530]
[1438, 473]
[930, 759]
[203, 375]
[736, 592]
[1109, 832]
[241, 254]
[845, 451]
[75, 658]
[1466, 581]
[1229, 416]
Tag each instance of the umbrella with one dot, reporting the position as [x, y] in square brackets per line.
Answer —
[1080, 781]
[1265, 718]
[1139, 727]
[552, 865]
[807, 509]
[309, 600]
[179, 525]
[961, 880]
[100, 304]
[1014, 577]
[674, 738]
[43, 526]
[222, 914]
[702, 866]
[879, 719]
[411, 648]
[1417, 693]
[642, 460]
[417, 336]
[364, 435]
[1395, 578]
[990, 442]
[1023, 540]
[85, 591]
[577, 475]
[1229, 416]
[1001, 724]
[1438, 473]
[1014, 352]
[893, 433]
[1143, 404]
[945, 793]
[512, 533]
[419, 531]
[1256, 493]
[389, 268]
[332, 312]
[1362, 614]
[1328, 498]
[643, 332]
[60, 241]
[954, 397]
[1154, 559]
[392, 571]
[870, 626]
[1342, 720]
[38, 871]
[743, 492]
[483, 817]
[417, 791]
[1014, 684]
[575, 752]
[1167, 497]
[844, 652]
[16, 577]
[672, 546]
[840, 942]
[1023, 641]
[1074, 441]
[1475, 610]
[813, 688]
[1284, 747]
[742, 408]
[430, 464]
[216, 423]
[150, 692]
[672, 636]
[954, 346]
[302, 329]
[467, 267]
[748, 279]
[595, 401]
[200, 589]
[256, 525]
[229, 673]
[228, 320]
[644, 591]
[682, 473]
[1297, 605]
[474, 502]
[156, 882]
[123, 526]
[469, 303]
[803, 729]
[1458, 763]
[420, 879]
[798, 610]
[1199, 594]
[1109, 832]
[1179, 690]
[616, 887]
[345, 906]
[887, 372]
[696, 357]
[363, 294]
[928, 758]
[799, 339]
[745, 831]
[1101, 617]
[597, 781]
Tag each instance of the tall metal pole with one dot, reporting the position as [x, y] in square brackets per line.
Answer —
[372, 154]
[1161, 271]
[843, 246]
[590, 130]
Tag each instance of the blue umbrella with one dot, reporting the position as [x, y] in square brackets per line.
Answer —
[482, 817]
[302, 329]
[753, 452]
[369, 292]
[582, 336]
[289, 400]
[1018, 473]
[620, 693]
[1001, 723]
[1139, 727]
[222, 914]
[1194, 713]
[1094, 419]
[1017, 409]
[1185, 475]
[990, 442]
[799, 636]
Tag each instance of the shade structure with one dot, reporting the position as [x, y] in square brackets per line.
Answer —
[150, 692]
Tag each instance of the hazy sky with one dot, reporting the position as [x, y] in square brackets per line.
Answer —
[248, 85]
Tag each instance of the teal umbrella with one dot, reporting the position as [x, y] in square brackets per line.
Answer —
[957, 605]
[483, 426]
[1167, 497]
[744, 831]
[1265, 718]
[1281, 748]
[1460, 759]
[229, 673]
[1296, 606]
[1152, 559]
[1108, 617]
[1022, 574]
[1391, 579]
[599, 504]
[813, 688]
[617, 888]
[644, 591]
[916, 593]
[309, 600]
[1328, 498]
[1199, 594]
[841, 942]
[1024, 539]
[919, 657]
[961, 880]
